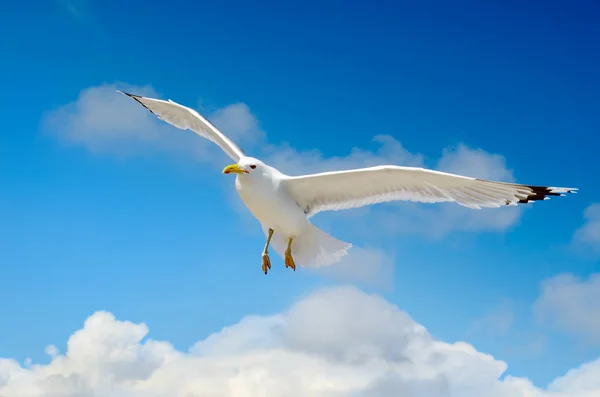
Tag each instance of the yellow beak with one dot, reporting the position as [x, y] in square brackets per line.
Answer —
[234, 169]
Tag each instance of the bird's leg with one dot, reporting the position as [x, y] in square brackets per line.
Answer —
[289, 261]
[266, 262]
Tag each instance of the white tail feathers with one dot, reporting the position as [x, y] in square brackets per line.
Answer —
[313, 248]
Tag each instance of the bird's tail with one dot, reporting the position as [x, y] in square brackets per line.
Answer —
[313, 248]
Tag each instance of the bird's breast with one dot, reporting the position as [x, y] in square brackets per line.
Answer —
[272, 206]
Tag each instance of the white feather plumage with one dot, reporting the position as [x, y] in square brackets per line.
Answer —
[285, 203]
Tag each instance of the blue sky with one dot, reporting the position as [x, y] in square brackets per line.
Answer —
[97, 216]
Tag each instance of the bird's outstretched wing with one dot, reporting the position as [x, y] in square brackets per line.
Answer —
[185, 118]
[356, 188]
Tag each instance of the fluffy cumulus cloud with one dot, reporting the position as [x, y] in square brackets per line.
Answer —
[588, 235]
[336, 342]
[571, 304]
[105, 122]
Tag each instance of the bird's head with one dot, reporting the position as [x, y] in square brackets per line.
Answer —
[246, 165]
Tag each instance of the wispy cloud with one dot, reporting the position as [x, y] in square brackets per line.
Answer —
[106, 122]
[497, 321]
[572, 305]
[587, 236]
[78, 9]
[369, 267]
[509, 333]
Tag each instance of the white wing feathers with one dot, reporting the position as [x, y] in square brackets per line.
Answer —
[185, 118]
[356, 188]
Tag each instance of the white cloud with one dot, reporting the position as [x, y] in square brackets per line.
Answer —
[104, 121]
[476, 163]
[52, 350]
[336, 342]
[588, 235]
[572, 305]
[584, 381]
[239, 122]
[101, 121]
[294, 162]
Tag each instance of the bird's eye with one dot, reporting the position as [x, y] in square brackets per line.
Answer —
[253, 166]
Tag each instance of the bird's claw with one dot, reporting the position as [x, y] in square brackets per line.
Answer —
[266, 262]
[289, 261]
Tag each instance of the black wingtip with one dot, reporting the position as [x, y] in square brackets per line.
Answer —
[128, 94]
[544, 193]
[137, 99]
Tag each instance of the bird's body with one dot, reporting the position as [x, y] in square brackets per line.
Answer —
[268, 200]
[283, 204]
[265, 192]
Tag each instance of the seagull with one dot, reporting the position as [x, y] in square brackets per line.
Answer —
[284, 204]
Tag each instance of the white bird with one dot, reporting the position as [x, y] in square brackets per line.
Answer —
[283, 204]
